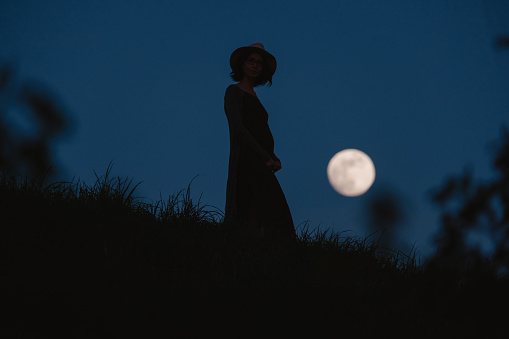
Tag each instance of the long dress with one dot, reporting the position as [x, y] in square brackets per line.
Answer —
[252, 188]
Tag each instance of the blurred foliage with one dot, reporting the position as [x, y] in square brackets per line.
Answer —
[502, 42]
[385, 214]
[31, 119]
[475, 208]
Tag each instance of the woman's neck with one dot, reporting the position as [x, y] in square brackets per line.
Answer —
[247, 85]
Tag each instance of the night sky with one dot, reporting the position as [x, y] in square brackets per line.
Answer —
[417, 85]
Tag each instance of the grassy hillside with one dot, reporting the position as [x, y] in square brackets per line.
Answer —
[93, 261]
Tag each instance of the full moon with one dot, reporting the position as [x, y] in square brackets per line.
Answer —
[351, 172]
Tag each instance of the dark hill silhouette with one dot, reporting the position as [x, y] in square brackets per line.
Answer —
[94, 261]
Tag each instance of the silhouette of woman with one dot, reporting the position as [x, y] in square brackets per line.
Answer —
[253, 194]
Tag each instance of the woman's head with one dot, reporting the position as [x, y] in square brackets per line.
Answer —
[253, 62]
[251, 65]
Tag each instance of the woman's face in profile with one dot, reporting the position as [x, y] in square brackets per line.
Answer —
[253, 65]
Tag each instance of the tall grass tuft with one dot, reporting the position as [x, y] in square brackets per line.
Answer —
[180, 207]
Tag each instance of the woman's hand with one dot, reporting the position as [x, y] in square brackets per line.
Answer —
[277, 166]
[274, 165]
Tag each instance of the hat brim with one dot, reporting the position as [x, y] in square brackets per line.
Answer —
[268, 59]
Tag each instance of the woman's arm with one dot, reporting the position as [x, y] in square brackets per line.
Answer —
[232, 108]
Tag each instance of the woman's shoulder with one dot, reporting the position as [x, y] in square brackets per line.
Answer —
[233, 91]
[233, 88]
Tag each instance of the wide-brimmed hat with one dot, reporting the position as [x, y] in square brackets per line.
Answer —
[270, 63]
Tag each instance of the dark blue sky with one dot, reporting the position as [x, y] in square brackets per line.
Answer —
[417, 85]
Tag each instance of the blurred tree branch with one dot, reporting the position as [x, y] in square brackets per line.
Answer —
[28, 151]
